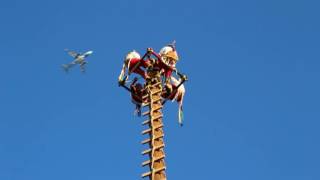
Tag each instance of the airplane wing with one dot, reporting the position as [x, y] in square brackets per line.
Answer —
[82, 67]
[72, 53]
[86, 54]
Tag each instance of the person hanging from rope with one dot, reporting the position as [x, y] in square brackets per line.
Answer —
[137, 92]
[133, 62]
[177, 94]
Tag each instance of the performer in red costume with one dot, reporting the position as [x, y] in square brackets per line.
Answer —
[133, 63]
[166, 62]
[137, 93]
[176, 95]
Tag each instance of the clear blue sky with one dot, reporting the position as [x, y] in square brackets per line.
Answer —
[252, 107]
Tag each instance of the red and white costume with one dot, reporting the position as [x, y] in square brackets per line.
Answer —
[133, 63]
[137, 93]
[166, 63]
[166, 60]
[176, 95]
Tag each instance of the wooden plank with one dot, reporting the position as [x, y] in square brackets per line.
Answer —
[158, 99]
[146, 163]
[146, 113]
[146, 151]
[159, 126]
[156, 91]
[145, 104]
[146, 122]
[159, 147]
[154, 109]
[149, 139]
[146, 174]
[146, 131]
[158, 158]
[157, 117]
[146, 141]
[150, 150]
[159, 169]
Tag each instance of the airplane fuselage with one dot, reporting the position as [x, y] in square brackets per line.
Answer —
[79, 59]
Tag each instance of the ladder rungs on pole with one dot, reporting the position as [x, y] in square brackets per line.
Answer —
[158, 99]
[157, 91]
[160, 157]
[158, 147]
[145, 96]
[146, 141]
[150, 150]
[146, 163]
[146, 113]
[149, 130]
[155, 109]
[146, 122]
[150, 173]
[146, 151]
[149, 140]
[159, 169]
[146, 174]
[159, 126]
[146, 131]
[157, 84]
[145, 104]
[157, 117]
[155, 159]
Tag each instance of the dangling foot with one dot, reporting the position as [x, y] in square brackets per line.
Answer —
[122, 82]
[138, 110]
[183, 77]
[169, 88]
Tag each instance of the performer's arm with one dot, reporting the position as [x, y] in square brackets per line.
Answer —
[150, 51]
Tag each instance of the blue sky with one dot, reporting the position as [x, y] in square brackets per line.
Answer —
[252, 102]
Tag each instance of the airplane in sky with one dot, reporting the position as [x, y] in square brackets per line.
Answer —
[79, 58]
